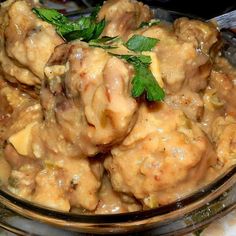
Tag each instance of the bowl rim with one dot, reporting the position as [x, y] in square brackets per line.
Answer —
[175, 212]
[123, 217]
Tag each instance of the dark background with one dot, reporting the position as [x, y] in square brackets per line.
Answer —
[202, 8]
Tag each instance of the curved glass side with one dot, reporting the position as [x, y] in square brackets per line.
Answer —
[186, 215]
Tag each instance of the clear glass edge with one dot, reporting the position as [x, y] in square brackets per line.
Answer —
[211, 201]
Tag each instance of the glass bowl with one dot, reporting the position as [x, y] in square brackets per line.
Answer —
[187, 215]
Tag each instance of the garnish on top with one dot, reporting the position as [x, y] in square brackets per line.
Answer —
[87, 29]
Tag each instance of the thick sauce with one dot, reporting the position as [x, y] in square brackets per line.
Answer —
[74, 139]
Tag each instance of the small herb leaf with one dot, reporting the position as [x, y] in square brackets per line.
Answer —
[85, 28]
[99, 28]
[83, 34]
[137, 60]
[104, 42]
[95, 12]
[139, 43]
[105, 39]
[50, 15]
[143, 80]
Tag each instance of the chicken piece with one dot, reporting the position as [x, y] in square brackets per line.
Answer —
[44, 143]
[15, 160]
[67, 182]
[224, 137]
[75, 179]
[219, 96]
[163, 158]
[14, 104]
[92, 102]
[189, 102]
[5, 171]
[83, 183]
[17, 111]
[23, 116]
[40, 145]
[49, 189]
[122, 16]
[22, 181]
[26, 43]
[222, 80]
[203, 35]
[87, 108]
[81, 178]
[111, 202]
[182, 63]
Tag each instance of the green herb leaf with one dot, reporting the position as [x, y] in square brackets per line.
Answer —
[143, 81]
[105, 42]
[102, 46]
[137, 60]
[50, 15]
[150, 23]
[105, 39]
[95, 12]
[55, 18]
[83, 34]
[139, 43]
[84, 28]
[99, 28]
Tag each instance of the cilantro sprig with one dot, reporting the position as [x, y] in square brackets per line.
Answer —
[143, 80]
[105, 42]
[88, 30]
[139, 43]
[85, 28]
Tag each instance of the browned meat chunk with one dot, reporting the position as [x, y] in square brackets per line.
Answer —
[123, 16]
[87, 107]
[163, 158]
[96, 109]
[189, 102]
[204, 36]
[26, 43]
[223, 82]
[224, 136]
[182, 63]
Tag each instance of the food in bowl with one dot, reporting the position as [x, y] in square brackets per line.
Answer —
[112, 112]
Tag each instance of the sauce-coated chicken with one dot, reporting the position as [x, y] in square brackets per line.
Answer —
[165, 154]
[123, 16]
[26, 43]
